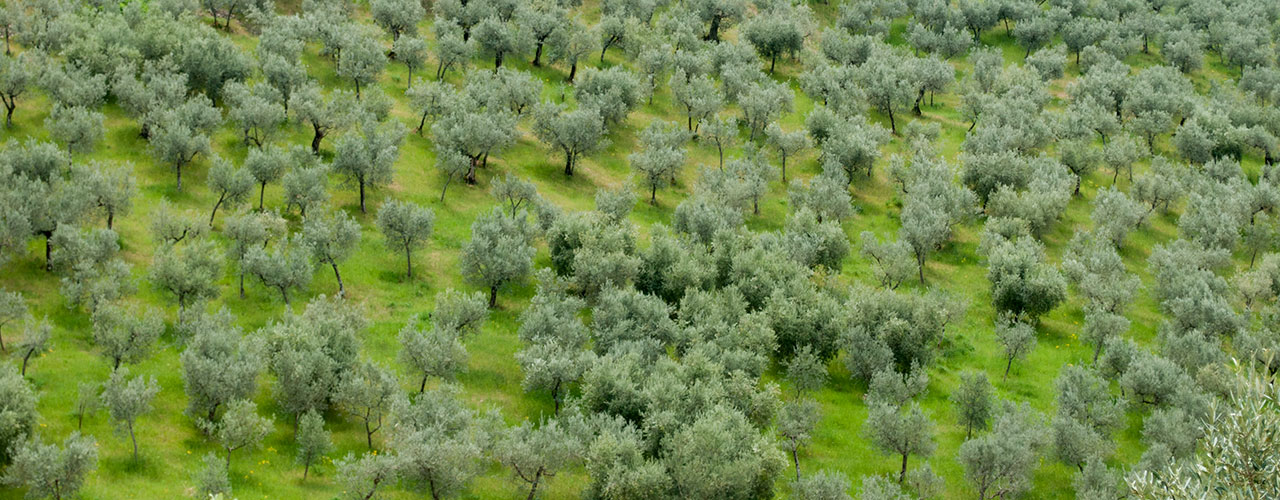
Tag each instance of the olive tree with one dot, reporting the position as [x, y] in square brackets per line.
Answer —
[50, 471]
[231, 185]
[974, 401]
[126, 333]
[332, 238]
[16, 77]
[219, 365]
[498, 252]
[575, 133]
[1018, 340]
[18, 403]
[313, 441]
[1001, 463]
[240, 427]
[361, 59]
[366, 393]
[902, 433]
[128, 399]
[406, 226]
[34, 341]
[187, 273]
[366, 159]
[282, 268]
[536, 454]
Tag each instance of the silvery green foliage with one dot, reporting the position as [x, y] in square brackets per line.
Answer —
[721, 455]
[366, 158]
[311, 351]
[366, 393]
[332, 237]
[1087, 416]
[536, 453]
[900, 432]
[219, 365]
[306, 187]
[893, 261]
[368, 476]
[232, 185]
[439, 442]
[1023, 283]
[282, 268]
[128, 399]
[406, 226]
[18, 405]
[555, 351]
[50, 471]
[821, 485]
[187, 273]
[255, 109]
[613, 92]
[361, 58]
[16, 78]
[34, 342]
[1001, 463]
[12, 308]
[78, 128]
[1018, 340]
[313, 441]
[1238, 456]
[974, 401]
[575, 133]
[240, 427]
[324, 114]
[125, 333]
[211, 478]
[397, 17]
[93, 272]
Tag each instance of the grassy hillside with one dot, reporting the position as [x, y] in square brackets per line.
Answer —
[172, 446]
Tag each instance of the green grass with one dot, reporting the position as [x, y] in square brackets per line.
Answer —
[171, 447]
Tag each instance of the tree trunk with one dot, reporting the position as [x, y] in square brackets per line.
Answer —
[902, 474]
[568, 164]
[795, 458]
[25, 358]
[893, 127]
[213, 214]
[773, 60]
[134, 439]
[714, 33]
[242, 284]
[179, 171]
[306, 468]
[368, 435]
[48, 251]
[533, 488]
[342, 291]
[8, 115]
[493, 296]
[1007, 366]
[447, 180]
[111, 218]
[315, 139]
[653, 194]
[284, 294]
[537, 55]
[555, 397]
[362, 210]
[408, 261]
[423, 386]
[573, 70]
